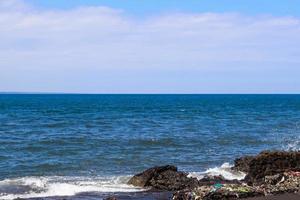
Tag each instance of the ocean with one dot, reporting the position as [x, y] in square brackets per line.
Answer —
[65, 144]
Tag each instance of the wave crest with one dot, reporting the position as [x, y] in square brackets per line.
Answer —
[224, 170]
[30, 187]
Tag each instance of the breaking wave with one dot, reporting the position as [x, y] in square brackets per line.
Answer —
[30, 187]
[293, 145]
[224, 170]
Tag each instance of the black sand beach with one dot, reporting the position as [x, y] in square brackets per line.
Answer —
[155, 196]
[295, 196]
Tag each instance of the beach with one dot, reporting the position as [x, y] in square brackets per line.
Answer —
[156, 196]
[279, 197]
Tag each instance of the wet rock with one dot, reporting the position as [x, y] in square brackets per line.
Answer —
[166, 178]
[270, 163]
[275, 179]
[242, 164]
[192, 194]
[268, 173]
[111, 198]
[228, 194]
[235, 191]
[288, 182]
[171, 181]
[143, 179]
[184, 195]
[226, 191]
[211, 180]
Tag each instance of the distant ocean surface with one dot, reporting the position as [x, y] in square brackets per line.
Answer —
[53, 145]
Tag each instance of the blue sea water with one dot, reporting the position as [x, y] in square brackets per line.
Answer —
[84, 139]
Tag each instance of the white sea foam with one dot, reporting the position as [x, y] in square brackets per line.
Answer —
[62, 186]
[30, 187]
[224, 170]
[293, 145]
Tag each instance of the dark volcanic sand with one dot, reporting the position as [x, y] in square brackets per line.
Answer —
[278, 197]
[152, 196]
[120, 196]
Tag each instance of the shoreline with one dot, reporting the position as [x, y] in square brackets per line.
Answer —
[270, 175]
[288, 196]
[148, 195]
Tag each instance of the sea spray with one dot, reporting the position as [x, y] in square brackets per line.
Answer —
[30, 187]
[224, 170]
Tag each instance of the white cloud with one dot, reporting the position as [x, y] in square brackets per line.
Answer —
[89, 48]
[13, 5]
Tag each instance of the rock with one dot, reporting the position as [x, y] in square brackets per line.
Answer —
[211, 180]
[232, 193]
[192, 194]
[164, 178]
[111, 198]
[143, 179]
[288, 182]
[268, 173]
[226, 191]
[183, 195]
[273, 180]
[270, 163]
[242, 164]
[171, 181]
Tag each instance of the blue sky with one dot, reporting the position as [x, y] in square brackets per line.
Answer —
[142, 7]
[143, 46]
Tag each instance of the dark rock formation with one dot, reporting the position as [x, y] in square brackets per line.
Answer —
[166, 178]
[270, 163]
[183, 195]
[111, 198]
[275, 179]
[221, 195]
[242, 164]
[143, 179]
[268, 173]
[288, 182]
[218, 192]
[211, 180]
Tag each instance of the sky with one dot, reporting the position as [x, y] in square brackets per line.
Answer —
[146, 46]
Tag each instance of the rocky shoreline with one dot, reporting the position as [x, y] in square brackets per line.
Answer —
[268, 173]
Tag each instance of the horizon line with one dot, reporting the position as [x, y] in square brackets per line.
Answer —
[79, 93]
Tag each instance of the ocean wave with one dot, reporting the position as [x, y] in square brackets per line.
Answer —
[293, 145]
[224, 170]
[31, 187]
